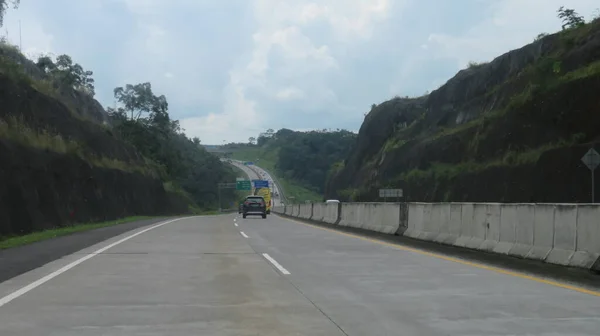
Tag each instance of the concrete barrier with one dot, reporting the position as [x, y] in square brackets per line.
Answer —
[379, 217]
[295, 210]
[587, 242]
[288, 210]
[305, 211]
[562, 234]
[543, 232]
[565, 234]
[318, 212]
[331, 215]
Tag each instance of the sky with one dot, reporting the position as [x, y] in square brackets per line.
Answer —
[231, 69]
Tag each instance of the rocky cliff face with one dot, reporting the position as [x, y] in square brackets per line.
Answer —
[57, 169]
[490, 133]
[81, 103]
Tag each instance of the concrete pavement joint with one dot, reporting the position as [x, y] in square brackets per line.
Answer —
[456, 260]
[24, 290]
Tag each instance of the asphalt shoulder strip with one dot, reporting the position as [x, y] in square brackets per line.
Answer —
[18, 260]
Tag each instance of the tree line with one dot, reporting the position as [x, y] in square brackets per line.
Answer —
[143, 120]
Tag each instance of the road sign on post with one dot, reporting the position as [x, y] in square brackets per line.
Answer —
[592, 159]
[243, 185]
[260, 184]
[385, 193]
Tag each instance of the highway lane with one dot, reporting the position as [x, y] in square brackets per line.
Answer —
[369, 288]
[196, 276]
[223, 275]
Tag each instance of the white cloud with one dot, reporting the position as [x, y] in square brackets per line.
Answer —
[233, 68]
[290, 93]
[22, 28]
[510, 24]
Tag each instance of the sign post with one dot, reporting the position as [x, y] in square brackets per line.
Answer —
[592, 160]
[223, 186]
[385, 193]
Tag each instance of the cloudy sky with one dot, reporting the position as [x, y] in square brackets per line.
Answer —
[233, 68]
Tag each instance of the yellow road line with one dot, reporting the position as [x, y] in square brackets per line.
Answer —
[460, 261]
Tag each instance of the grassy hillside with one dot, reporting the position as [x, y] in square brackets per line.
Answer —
[65, 160]
[511, 130]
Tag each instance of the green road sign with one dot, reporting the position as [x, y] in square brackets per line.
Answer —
[243, 185]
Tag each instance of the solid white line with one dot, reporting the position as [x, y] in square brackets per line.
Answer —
[243, 234]
[276, 264]
[54, 274]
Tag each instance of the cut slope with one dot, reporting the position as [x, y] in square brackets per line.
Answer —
[504, 131]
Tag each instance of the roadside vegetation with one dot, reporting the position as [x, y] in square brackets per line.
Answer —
[9, 242]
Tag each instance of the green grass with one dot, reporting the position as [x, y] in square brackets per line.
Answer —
[443, 171]
[15, 130]
[592, 69]
[267, 159]
[393, 143]
[63, 231]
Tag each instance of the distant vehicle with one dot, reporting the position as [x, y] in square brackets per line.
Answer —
[254, 205]
[266, 194]
[331, 201]
[241, 208]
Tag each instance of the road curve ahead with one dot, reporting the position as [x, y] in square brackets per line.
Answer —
[223, 275]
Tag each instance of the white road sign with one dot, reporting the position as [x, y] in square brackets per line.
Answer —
[591, 159]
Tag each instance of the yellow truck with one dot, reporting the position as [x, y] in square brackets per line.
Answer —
[266, 194]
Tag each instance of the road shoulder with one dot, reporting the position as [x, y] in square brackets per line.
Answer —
[18, 260]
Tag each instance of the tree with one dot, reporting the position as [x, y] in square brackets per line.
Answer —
[4, 4]
[139, 101]
[65, 72]
[570, 18]
[251, 140]
[143, 120]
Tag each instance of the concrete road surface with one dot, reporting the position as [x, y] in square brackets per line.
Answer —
[223, 275]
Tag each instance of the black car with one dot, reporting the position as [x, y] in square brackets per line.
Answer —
[255, 205]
